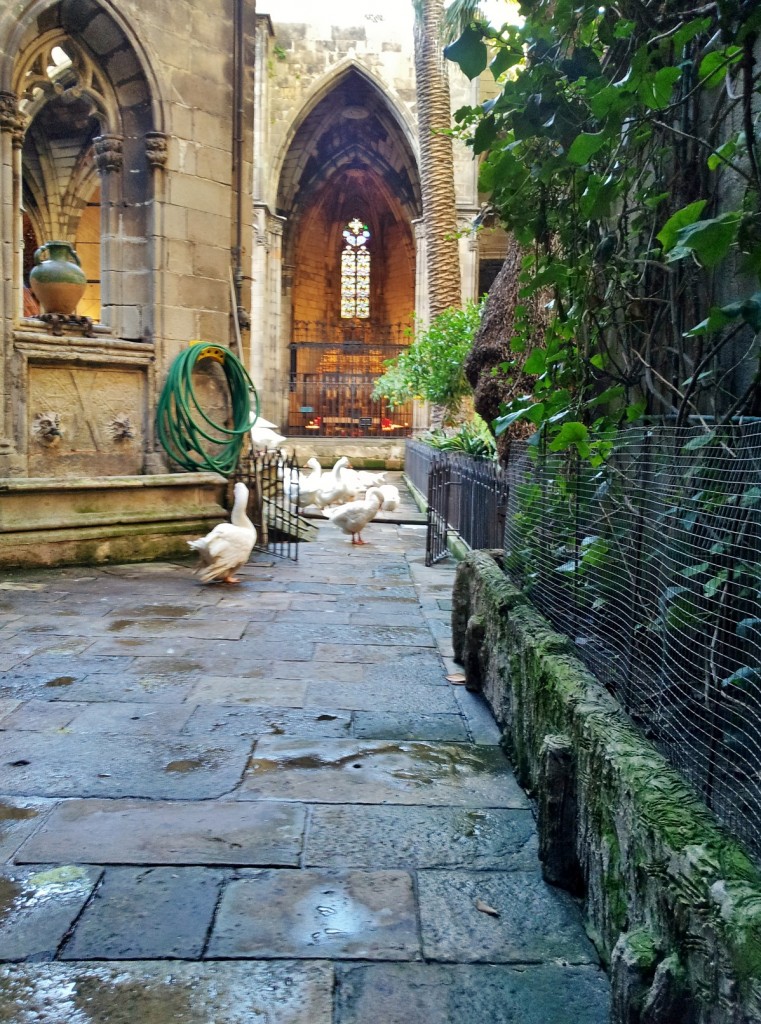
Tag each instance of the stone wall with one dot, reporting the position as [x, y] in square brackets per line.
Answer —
[672, 901]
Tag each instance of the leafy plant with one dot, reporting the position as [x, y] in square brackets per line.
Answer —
[431, 369]
[621, 151]
[472, 438]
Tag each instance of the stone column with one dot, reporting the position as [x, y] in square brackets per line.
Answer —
[12, 127]
[267, 354]
[468, 254]
[420, 410]
[157, 154]
[109, 161]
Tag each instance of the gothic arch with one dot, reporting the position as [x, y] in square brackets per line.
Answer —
[88, 115]
[350, 154]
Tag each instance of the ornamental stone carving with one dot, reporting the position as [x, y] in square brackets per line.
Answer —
[157, 149]
[108, 152]
[12, 121]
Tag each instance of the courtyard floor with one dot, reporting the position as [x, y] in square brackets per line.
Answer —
[266, 803]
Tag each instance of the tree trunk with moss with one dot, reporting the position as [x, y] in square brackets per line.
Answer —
[436, 163]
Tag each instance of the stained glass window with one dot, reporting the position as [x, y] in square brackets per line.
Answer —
[355, 272]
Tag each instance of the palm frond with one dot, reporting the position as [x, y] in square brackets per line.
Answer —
[459, 14]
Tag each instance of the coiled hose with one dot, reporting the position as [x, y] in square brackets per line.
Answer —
[183, 427]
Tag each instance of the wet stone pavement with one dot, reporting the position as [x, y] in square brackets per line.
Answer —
[266, 803]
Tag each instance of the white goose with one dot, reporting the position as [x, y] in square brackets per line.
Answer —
[228, 546]
[391, 497]
[303, 490]
[333, 488]
[354, 516]
[264, 435]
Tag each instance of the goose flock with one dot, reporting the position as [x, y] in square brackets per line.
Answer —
[350, 498]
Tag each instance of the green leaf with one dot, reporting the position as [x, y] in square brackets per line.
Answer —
[746, 674]
[635, 410]
[721, 155]
[585, 146]
[687, 215]
[469, 51]
[570, 434]
[713, 66]
[716, 582]
[536, 363]
[700, 441]
[694, 570]
[710, 240]
[655, 90]
[716, 319]
[503, 60]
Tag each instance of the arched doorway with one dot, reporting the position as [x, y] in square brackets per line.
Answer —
[87, 111]
[349, 162]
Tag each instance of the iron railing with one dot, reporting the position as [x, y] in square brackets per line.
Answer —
[651, 564]
[279, 528]
[343, 407]
[466, 496]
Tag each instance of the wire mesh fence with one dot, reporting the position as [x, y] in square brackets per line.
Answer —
[651, 564]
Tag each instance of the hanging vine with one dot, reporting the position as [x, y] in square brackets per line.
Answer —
[622, 152]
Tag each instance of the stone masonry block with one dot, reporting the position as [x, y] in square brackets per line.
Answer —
[199, 194]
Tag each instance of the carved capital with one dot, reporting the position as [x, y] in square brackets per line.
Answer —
[108, 152]
[157, 148]
[12, 121]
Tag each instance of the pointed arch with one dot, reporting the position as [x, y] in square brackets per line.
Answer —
[18, 30]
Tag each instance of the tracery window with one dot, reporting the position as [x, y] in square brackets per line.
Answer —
[355, 272]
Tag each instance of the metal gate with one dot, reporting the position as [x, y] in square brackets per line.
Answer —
[439, 486]
[279, 527]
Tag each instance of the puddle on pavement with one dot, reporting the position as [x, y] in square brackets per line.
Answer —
[8, 813]
[35, 890]
[61, 681]
[328, 913]
[187, 764]
[192, 764]
[168, 611]
[126, 1002]
[427, 763]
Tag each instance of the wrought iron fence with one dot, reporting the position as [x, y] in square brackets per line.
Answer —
[268, 476]
[418, 459]
[651, 564]
[343, 407]
[466, 496]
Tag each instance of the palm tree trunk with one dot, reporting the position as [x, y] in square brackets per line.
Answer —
[436, 165]
[436, 159]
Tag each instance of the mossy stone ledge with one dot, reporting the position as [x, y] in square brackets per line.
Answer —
[671, 899]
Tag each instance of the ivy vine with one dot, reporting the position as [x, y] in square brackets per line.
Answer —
[622, 152]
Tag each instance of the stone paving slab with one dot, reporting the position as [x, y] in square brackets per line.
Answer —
[144, 913]
[69, 765]
[160, 832]
[130, 719]
[19, 818]
[391, 725]
[244, 720]
[288, 693]
[536, 922]
[126, 683]
[363, 695]
[167, 993]
[472, 994]
[37, 908]
[367, 915]
[336, 634]
[380, 771]
[421, 837]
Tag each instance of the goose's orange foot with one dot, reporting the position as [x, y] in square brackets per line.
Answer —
[231, 579]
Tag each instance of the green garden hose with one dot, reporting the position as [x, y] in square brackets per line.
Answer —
[182, 425]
